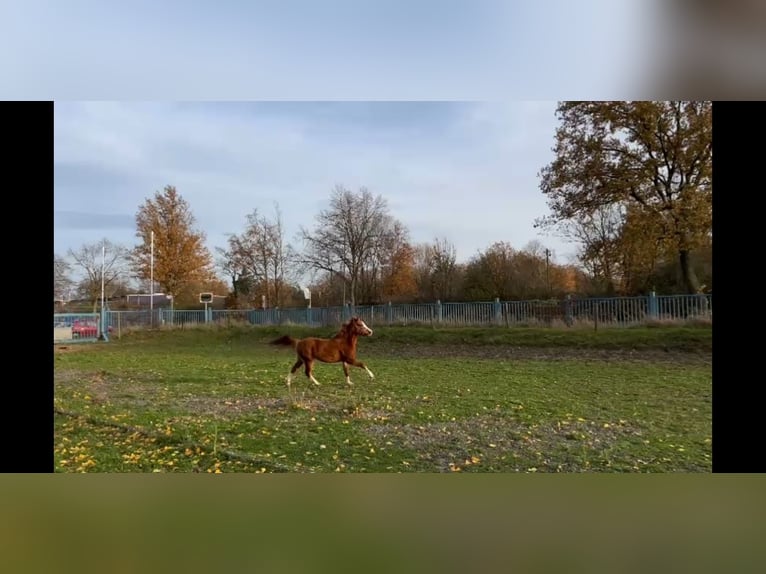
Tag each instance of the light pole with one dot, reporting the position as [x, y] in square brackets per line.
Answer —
[151, 286]
[547, 270]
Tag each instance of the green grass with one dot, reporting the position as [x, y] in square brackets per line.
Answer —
[682, 338]
[462, 400]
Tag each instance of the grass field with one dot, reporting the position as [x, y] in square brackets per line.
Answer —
[460, 400]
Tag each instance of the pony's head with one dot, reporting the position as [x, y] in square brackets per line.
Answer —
[358, 327]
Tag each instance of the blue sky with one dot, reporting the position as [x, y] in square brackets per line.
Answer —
[329, 50]
[462, 170]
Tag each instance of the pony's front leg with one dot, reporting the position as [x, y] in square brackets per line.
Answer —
[361, 365]
[348, 377]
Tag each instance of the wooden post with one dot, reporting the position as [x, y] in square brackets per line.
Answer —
[119, 325]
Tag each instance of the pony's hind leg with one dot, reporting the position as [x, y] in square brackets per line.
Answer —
[309, 367]
[296, 366]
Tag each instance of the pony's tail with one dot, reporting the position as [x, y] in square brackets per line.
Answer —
[286, 340]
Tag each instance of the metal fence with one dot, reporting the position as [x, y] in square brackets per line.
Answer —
[614, 311]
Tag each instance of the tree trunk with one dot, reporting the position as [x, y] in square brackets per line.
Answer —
[688, 276]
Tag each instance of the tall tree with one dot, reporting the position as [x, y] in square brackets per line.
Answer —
[180, 254]
[597, 234]
[93, 259]
[397, 264]
[62, 281]
[491, 273]
[443, 257]
[283, 260]
[348, 236]
[654, 156]
[437, 270]
[243, 287]
[261, 254]
[532, 271]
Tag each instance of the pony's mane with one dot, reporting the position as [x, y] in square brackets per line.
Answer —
[344, 330]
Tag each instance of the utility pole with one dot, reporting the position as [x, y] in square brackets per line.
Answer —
[547, 270]
[151, 286]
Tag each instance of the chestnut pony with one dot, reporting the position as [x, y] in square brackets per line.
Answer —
[341, 348]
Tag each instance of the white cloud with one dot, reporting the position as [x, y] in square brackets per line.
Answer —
[468, 173]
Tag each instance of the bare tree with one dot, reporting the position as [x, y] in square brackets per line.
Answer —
[436, 269]
[443, 268]
[232, 269]
[597, 234]
[62, 281]
[284, 259]
[261, 254]
[348, 237]
[88, 259]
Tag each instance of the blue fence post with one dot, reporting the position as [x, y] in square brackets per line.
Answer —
[438, 311]
[653, 305]
[498, 312]
[389, 313]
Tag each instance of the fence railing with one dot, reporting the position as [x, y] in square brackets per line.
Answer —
[615, 311]
[76, 327]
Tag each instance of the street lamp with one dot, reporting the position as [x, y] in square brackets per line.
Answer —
[547, 270]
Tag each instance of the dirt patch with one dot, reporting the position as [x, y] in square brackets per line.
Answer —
[98, 388]
[73, 348]
[242, 405]
[543, 354]
[490, 439]
[94, 384]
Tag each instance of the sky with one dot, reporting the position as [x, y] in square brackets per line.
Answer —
[444, 108]
[331, 50]
[465, 171]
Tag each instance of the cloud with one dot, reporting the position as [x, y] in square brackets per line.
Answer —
[85, 221]
[467, 168]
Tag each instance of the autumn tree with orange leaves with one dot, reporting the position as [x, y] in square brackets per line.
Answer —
[398, 279]
[180, 255]
[651, 161]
